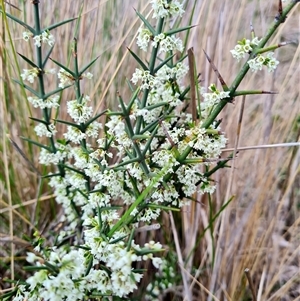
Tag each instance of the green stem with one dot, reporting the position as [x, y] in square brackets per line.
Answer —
[152, 61]
[77, 79]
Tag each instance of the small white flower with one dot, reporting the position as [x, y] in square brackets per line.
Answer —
[31, 257]
[271, 62]
[157, 262]
[50, 102]
[93, 129]
[88, 75]
[48, 158]
[27, 35]
[37, 40]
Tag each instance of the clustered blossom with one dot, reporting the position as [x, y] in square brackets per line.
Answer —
[49, 103]
[65, 78]
[269, 61]
[244, 47]
[167, 43]
[70, 281]
[47, 158]
[161, 9]
[165, 8]
[30, 74]
[79, 111]
[164, 42]
[43, 130]
[45, 38]
[64, 285]
[143, 38]
[211, 99]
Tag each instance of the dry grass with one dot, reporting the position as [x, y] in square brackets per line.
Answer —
[260, 228]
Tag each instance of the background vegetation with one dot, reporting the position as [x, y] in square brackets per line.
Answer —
[259, 230]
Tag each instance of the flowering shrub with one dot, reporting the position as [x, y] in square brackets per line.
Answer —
[152, 156]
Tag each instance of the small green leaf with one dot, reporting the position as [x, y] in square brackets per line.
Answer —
[123, 107]
[21, 23]
[74, 169]
[138, 60]
[37, 94]
[89, 265]
[164, 62]
[37, 143]
[58, 24]
[157, 105]
[34, 268]
[56, 91]
[39, 120]
[153, 31]
[112, 113]
[69, 123]
[140, 137]
[88, 65]
[94, 118]
[63, 67]
[133, 98]
[51, 175]
[47, 57]
[28, 61]
[173, 31]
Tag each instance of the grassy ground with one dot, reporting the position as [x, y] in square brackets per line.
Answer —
[260, 228]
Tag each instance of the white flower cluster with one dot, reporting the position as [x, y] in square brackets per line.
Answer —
[269, 61]
[244, 47]
[47, 158]
[163, 42]
[64, 284]
[68, 279]
[45, 131]
[211, 99]
[49, 103]
[164, 86]
[65, 78]
[167, 43]
[30, 74]
[165, 8]
[45, 37]
[161, 9]
[81, 113]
